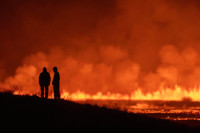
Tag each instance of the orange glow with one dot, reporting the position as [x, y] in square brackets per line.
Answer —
[110, 49]
[162, 94]
[167, 94]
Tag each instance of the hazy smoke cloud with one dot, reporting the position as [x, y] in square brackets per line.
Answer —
[107, 46]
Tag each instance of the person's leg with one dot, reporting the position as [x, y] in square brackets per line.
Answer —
[54, 92]
[57, 93]
[42, 91]
[58, 89]
[46, 92]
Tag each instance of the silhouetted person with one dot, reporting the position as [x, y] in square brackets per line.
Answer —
[44, 81]
[56, 83]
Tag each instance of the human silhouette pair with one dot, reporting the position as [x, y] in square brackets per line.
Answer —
[44, 81]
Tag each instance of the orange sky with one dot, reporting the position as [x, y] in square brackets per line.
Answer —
[108, 46]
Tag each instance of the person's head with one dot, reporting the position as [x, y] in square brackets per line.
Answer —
[55, 69]
[44, 69]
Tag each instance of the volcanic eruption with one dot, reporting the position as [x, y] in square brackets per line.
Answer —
[130, 49]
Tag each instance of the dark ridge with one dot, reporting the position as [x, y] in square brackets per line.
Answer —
[34, 113]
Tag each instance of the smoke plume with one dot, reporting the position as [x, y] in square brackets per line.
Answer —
[101, 46]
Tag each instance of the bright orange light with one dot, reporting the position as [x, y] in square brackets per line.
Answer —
[162, 94]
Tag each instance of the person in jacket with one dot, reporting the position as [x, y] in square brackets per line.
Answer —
[56, 83]
[44, 81]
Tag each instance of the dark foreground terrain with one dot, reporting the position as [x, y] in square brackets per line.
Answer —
[30, 112]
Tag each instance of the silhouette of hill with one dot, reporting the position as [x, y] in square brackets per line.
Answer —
[31, 112]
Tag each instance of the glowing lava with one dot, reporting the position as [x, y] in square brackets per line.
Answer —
[161, 94]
